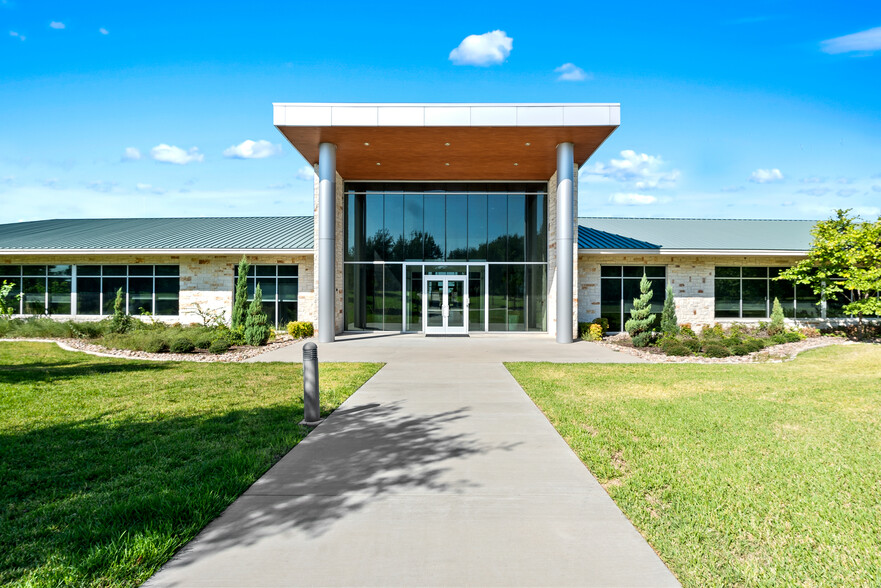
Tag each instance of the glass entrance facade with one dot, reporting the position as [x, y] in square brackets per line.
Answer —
[493, 234]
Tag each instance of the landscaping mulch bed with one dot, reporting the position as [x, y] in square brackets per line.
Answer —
[235, 354]
[775, 353]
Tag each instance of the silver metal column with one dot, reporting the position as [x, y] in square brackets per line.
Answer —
[326, 241]
[565, 222]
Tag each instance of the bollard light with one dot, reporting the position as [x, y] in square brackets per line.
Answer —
[311, 407]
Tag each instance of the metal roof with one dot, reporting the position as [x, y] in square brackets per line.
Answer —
[231, 233]
[692, 234]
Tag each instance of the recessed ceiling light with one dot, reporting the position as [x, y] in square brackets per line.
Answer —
[368, 144]
[526, 144]
[446, 164]
[447, 144]
[377, 163]
[516, 164]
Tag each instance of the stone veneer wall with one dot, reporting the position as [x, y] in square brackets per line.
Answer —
[204, 279]
[692, 278]
[552, 256]
[339, 318]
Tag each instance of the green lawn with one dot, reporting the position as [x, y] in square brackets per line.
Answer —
[736, 474]
[107, 466]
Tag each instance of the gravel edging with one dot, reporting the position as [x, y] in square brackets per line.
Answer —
[774, 354]
[233, 356]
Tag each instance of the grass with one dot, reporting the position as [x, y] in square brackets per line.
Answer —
[737, 475]
[108, 466]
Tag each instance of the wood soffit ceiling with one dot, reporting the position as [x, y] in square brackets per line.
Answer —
[422, 153]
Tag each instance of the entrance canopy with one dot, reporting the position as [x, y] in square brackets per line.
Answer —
[446, 141]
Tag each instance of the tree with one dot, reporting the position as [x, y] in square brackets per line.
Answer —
[7, 308]
[776, 327]
[256, 323]
[121, 321]
[639, 326]
[845, 260]
[240, 305]
[669, 326]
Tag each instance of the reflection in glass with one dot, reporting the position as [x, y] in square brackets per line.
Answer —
[755, 298]
[516, 227]
[34, 295]
[88, 295]
[477, 227]
[498, 297]
[59, 294]
[434, 302]
[435, 234]
[727, 298]
[476, 294]
[413, 226]
[392, 297]
[414, 298]
[457, 227]
[497, 228]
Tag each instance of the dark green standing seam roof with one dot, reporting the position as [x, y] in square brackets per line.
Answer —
[694, 234]
[233, 233]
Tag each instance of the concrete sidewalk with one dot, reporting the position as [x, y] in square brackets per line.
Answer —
[431, 474]
[479, 348]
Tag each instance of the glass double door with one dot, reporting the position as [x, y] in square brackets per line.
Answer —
[445, 305]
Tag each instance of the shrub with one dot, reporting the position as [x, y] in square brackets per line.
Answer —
[240, 305]
[754, 344]
[256, 325]
[90, 329]
[809, 332]
[740, 349]
[776, 325]
[673, 346]
[219, 346]
[595, 332]
[668, 315]
[120, 322]
[203, 340]
[692, 344]
[716, 350]
[714, 332]
[778, 339]
[639, 325]
[603, 322]
[792, 336]
[732, 341]
[686, 331]
[300, 329]
[151, 343]
[181, 344]
[583, 329]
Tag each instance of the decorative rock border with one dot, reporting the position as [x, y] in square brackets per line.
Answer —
[774, 354]
[235, 354]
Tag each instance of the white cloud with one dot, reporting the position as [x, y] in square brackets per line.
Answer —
[844, 180]
[103, 31]
[487, 49]
[814, 191]
[569, 72]
[19, 36]
[733, 189]
[56, 25]
[632, 199]
[812, 180]
[864, 41]
[306, 173]
[642, 171]
[101, 186]
[131, 154]
[148, 188]
[252, 150]
[173, 154]
[847, 192]
[766, 176]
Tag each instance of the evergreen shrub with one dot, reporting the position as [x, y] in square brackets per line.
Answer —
[673, 346]
[219, 346]
[300, 329]
[776, 326]
[256, 324]
[668, 315]
[716, 350]
[181, 344]
[639, 325]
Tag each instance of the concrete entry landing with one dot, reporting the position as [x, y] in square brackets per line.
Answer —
[434, 473]
[476, 348]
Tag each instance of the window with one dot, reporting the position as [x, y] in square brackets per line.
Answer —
[279, 286]
[619, 286]
[91, 289]
[749, 292]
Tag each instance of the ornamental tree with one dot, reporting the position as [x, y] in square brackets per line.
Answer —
[844, 259]
[639, 325]
[256, 322]
[669, 326]
[240, 305]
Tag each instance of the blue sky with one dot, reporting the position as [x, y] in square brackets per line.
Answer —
[735, 110]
